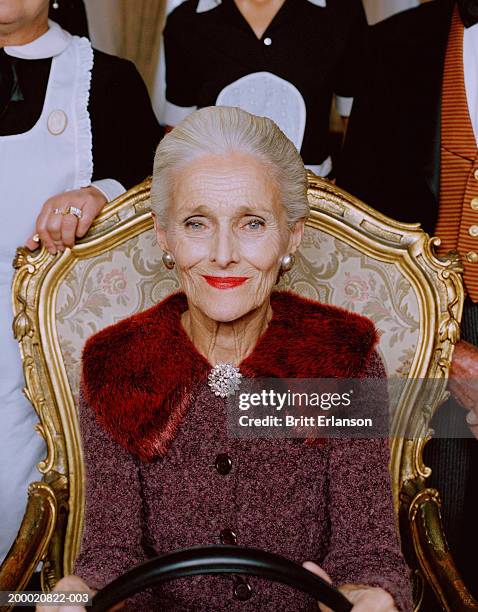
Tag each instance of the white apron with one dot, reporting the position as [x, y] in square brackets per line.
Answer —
[54, 156]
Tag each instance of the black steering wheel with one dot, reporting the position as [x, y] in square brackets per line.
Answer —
[220, 559]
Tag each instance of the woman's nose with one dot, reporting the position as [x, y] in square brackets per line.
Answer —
[224, 247]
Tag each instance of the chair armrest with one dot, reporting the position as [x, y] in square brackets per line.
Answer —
[434, 555]
[32, 540]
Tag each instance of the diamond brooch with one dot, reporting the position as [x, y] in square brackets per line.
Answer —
[224, 379]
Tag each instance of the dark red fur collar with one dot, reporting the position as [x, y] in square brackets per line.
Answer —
[138, 374]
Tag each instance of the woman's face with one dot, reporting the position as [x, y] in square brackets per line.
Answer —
[19, 13]
[227, 231]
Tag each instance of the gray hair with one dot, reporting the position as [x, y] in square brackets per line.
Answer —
[219, 130]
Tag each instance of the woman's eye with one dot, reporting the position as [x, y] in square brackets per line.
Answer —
[255, 224]
[194, 225]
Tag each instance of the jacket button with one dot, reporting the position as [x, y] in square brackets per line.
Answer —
[223, 464]
[473, 231]
[228, 537]
[242, 590]
[474, 203]
[475, 174]
[472, 257]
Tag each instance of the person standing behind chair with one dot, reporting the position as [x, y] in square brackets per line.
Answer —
[283, 59]
[412, 153]
[76, 130]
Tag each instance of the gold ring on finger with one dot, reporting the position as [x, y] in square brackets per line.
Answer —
[73, 210]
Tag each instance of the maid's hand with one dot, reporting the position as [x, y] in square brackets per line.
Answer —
[65, 217]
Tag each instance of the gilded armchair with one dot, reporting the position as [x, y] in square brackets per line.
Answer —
[351, 256]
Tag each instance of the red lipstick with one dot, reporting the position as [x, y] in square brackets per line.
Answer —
[225, 282]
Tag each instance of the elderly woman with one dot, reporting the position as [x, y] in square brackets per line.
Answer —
[229, 201]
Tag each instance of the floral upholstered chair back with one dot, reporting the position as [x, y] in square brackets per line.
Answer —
[351, 256]
[99, 291]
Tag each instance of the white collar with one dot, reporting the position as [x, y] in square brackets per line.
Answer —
[207, 5]
[52, 43]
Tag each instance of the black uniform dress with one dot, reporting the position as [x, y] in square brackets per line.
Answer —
[71, 16]
[316, 49]
[125, 131]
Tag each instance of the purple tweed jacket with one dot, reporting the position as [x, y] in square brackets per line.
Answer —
[330, 503]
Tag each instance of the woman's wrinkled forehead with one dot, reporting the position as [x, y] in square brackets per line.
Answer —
[225, 184]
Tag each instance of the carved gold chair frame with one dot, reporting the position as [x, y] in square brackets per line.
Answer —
[52, 525]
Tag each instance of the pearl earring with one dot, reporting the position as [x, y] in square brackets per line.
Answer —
[55, 4]
[287, 262]
[169, 261]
